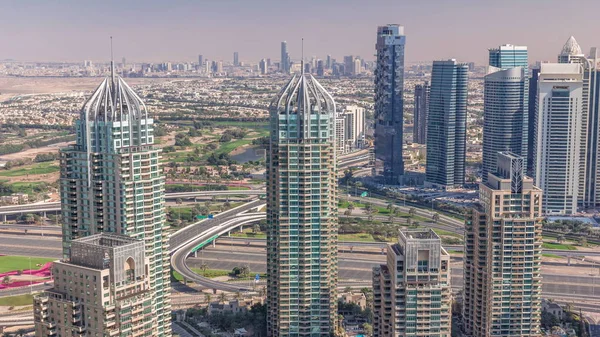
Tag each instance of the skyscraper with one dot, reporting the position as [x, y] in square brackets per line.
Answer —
[111, 181]
[320, 68]
[590, 178]
[558, 135]
[505, 116]
[411, 293]
[531, 107]
[503, 253]
[447, 124]
[236, 59]
[389, 102]
[263, 67]
[328, 64]
[101, 290]
[285, 59]
[421, 107]
[200, 60]
[302, 212]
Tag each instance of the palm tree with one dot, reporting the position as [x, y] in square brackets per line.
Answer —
[222, 298]
[409, 221]
[238, 295]
[436, 217]
[391, 218]
[6, 279]
[203, 267]
[348, 290]
[178, 201]
[207, 297]
[412, 211]
[390, 206]
[255, 228]
[560, 238]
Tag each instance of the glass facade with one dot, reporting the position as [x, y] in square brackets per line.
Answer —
[302, 212]
[447, 124]
[389, 102]
[111, 181]
[506, 112]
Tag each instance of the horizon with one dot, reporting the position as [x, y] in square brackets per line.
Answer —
[154, 31]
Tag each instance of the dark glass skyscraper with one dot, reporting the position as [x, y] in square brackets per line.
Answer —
[284, 66]
[506, 113]
[421, 107]
[447, 124]
[389, 102]
[302, 212]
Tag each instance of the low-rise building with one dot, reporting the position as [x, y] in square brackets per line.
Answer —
[101, 290]
[411, 292]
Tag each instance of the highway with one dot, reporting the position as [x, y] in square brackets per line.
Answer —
[358, 267]
[212, 228]
[55, 206]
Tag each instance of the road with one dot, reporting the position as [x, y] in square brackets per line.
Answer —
[55, 206]
[352, 268]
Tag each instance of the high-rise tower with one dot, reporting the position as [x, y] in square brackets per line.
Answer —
[503, 253]
[284, 66]
[420, 113]
[111, 181]
[558, 135]
[236, 59]
[589, 195]
[447, 124]
[389, 102]
[506, 113]
[302, 212]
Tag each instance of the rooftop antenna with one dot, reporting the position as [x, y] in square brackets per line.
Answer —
[302, 59]
[112, 63]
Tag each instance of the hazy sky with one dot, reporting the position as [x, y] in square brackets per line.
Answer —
[153, 30]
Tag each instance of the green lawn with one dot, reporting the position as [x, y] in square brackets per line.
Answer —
[446, 233]
[29, 188]
[210, 273]
[561, 246]
[39, 168]
[552, 256]
[363, 237]
[232, 145]
[247, 233]
[237, 188]
[14, 301]
[12, 263]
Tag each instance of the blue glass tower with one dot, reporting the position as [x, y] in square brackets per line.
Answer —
[389, 102]
[447, 124]
[506, 113]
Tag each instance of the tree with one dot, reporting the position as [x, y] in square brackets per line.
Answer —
[348, 289]
[560, 238]
[222, 297]
[203, 267]
[238, 295]
[207, 297]
[390, 206]
[178, 201]
[255, 228]
[582, 241]
[436, 217]
[6, 279]
[409, 221]
[351, 206]
[368, 329]
[412, 211]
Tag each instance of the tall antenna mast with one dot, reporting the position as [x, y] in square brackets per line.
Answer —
[112, 64]
[302, 59]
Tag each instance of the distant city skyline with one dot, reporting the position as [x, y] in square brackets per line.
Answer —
[153, 31]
